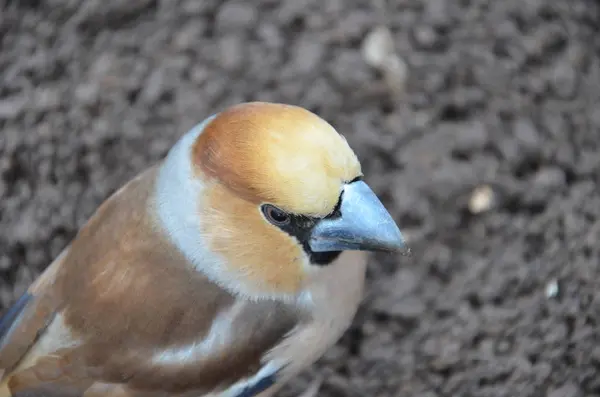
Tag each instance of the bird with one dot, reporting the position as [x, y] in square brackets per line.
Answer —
[224, 269]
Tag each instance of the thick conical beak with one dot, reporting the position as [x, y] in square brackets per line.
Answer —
[364, 224]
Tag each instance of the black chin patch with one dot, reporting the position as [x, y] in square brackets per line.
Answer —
[321, 258]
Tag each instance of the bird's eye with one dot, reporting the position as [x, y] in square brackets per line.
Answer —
[276, 216]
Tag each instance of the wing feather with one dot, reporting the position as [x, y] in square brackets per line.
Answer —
[10, 319]
[26, 320]
[122, 312]
[261, 385]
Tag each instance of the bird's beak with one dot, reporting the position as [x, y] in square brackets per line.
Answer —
[364, 224]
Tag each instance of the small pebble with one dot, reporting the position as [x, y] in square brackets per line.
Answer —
[378, 52]
[425, 37]
[378, 46]
[482, 199]
[552, 289]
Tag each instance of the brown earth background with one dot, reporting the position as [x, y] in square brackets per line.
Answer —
[480, 94]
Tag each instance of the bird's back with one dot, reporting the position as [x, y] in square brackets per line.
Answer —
[121, 306]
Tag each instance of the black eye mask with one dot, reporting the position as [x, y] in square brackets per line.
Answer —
[300, 227]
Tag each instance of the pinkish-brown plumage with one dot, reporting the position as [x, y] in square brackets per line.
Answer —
[180, 285]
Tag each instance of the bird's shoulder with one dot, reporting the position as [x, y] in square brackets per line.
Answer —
[120, 308]
[228, 353]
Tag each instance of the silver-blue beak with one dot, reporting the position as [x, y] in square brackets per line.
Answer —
[364, 224]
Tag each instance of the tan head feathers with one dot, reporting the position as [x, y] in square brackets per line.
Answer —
[282, 154]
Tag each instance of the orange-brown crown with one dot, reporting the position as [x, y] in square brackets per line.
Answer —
[282, 154]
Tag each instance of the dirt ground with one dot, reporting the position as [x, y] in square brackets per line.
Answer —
[504, 94]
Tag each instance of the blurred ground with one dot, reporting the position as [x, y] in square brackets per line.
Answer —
[505, 93]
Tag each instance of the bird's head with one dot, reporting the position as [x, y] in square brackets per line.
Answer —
[280, 194]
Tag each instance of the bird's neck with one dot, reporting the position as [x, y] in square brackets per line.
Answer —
[178, 201]
[177, 197]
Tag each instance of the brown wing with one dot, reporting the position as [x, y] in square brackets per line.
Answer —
[117, 313]
[128, 370]
[22, 325]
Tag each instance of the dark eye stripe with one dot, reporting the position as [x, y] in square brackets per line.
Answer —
[336, 210]
[300, 227]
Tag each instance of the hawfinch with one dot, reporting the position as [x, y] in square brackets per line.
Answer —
[222, 271]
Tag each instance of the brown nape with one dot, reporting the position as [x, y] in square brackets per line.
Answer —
[130, 294]
[276, 153]
[256, 251]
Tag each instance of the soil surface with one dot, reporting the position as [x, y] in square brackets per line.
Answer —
[501, 97]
